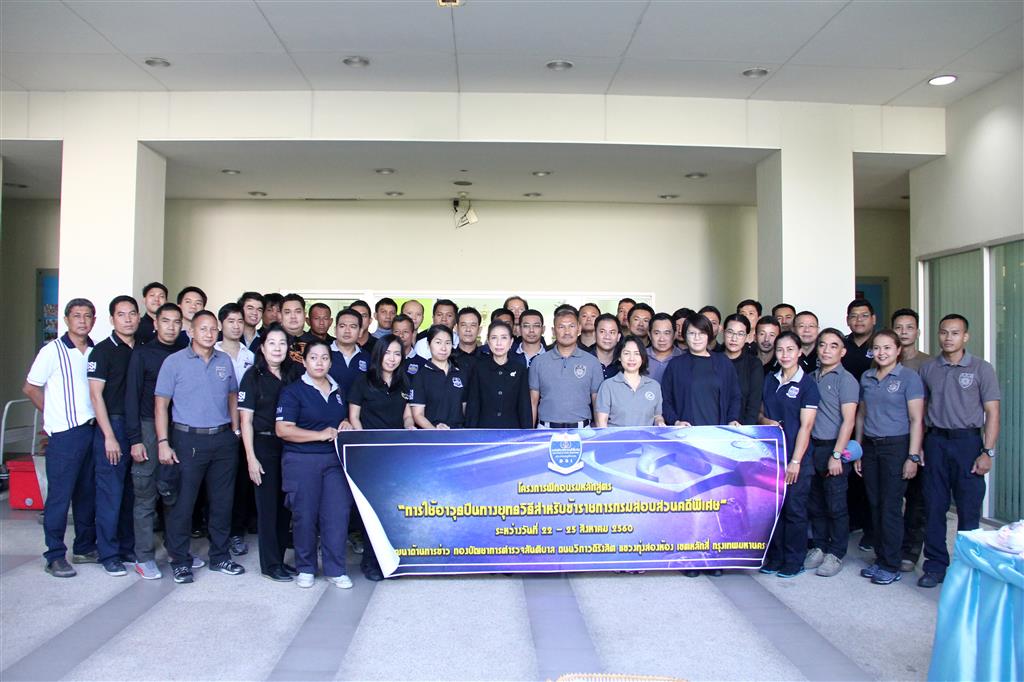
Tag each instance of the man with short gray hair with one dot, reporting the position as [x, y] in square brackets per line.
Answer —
[564, 381]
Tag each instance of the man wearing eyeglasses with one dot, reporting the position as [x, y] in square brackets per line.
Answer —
[531, 326]
[860, 317]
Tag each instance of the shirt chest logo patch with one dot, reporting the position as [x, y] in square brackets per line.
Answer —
[412, 369]
[869, 354]
[511, 374]
[362, 365]
[649, 395]
[893, 386]
[241, 396]
[966, 379]
[222, 372]
[580, 371]
[91, 367]
[457, 382]
[793, 392]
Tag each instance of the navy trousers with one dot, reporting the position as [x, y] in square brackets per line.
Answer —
[788, 547]
[317, 492]
[882, 467]
[826, 504]
[71, 482]
[115, 498]
[948, 461]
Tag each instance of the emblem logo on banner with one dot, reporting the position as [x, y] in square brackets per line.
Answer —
[966, 379]
[565, 452]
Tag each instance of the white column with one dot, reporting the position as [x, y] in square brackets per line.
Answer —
[112, 204]
[805, 218]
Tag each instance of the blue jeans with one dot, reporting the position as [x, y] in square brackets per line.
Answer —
[826, 504]
[115, 529]
[71, 482]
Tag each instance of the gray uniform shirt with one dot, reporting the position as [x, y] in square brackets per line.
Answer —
[626, 407]
[957, 393]
[837, 388]
[885, 401]
[565, 384]
[198, 390]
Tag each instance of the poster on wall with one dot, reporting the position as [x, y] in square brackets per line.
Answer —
[48, 313]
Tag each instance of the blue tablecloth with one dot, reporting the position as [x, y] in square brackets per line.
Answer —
[979, 634]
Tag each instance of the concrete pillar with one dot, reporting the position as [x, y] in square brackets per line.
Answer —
[805, 219]
[112, 204]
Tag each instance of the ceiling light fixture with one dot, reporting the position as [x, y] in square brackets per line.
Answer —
[356, 61]
[448, 3]
[696, 175]
[756, 72]
[157, 62]
[394, 194]
[384, 171]
[946, 79]
[257, 193]
[532, 195]
[540, 174]
[462, 183]
[231, 171]
[668, 196]
[560, 65]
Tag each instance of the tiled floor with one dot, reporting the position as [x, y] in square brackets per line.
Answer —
[741, 626]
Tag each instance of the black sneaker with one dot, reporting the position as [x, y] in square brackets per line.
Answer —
[290, 569]
[238, 545]
[92, 557]
[183, 574]
[60, 568]
[227, 566]
[930, 580]
[114, 567]
[278, 574]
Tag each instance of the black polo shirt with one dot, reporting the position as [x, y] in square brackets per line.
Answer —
[108, 363]
[146, 331]
[441, 394]
[310, 337]
[771, 367]
[858, 358]
[809, 362]
[380, 407]
[371, 341]
[499, 396]
[467, 362]
[258, 393]
[607, 371]
[143, 370]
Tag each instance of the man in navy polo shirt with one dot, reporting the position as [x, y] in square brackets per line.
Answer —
[860, 317]
[347, 360]
[638, 320]
[366, 340]
[606, 345]
[58, 386]
[251, 303]
[108, 371]
[197, 405]
[191, 300]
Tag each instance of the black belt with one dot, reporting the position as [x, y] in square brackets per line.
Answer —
[582, 424]
[265, 433]
[201, 431]
[881, 440]
[954, 433]
[823, 441]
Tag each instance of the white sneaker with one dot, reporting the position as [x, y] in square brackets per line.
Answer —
[148, 570]
[342, 581]
[305, 580]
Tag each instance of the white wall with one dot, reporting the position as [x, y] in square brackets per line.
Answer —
[975, 193]
[883, 250]
[686, 255]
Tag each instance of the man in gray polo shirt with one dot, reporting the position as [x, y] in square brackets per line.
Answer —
[201, 440]
[564, 381]
[963, 420]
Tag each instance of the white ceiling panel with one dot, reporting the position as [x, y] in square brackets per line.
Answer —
[1003, 52]
[47, 27]
[76, 72]
[906, 34]
[377, 26]
[840, 85]
[519, 73]
[729, 31]
[924, 95]
[426, 72]
[250, 71]
[159, 26]
[553, 29]
[673, 78]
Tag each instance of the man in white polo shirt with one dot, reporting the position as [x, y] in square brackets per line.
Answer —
[58, 385]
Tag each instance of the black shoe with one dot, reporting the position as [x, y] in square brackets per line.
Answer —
[278, 575]
[92, 557]
[865, 546]
[930, 580]
[198, 532]
[227, 566]
[691, 574]
[183, 574]
[114, 567]
[289, 569]
[373, 574]
[238, 545]
[60, 568]
[717, 573]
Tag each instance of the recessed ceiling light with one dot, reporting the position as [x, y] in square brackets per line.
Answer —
[393, 194]
[157, 62]
[946, 79]
[905, 197]
[532, 195]
[696, 175]
[15, 185]
[560, 65]
[756, 72]
[356, 61]
[462, 183]
[257, 194]
[384, 171]
[231, 171]
[668, 196]
[540, 174]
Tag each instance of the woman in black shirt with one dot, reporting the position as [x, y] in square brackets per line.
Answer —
[499, 393]
[257, 407]
[438, 397]
[749, 370]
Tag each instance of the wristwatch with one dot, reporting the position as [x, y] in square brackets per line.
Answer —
[836, 454]
[991, 452]
[238, 432]
[916, 459]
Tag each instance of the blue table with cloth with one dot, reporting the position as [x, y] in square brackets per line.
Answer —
[979, 634]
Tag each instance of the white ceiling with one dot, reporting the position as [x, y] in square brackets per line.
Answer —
[426, 170]
[864, 51]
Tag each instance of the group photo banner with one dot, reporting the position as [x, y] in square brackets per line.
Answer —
[623, 499]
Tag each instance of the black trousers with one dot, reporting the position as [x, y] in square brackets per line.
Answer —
[826, 505]
[210, 462]
[272, 517]
[882, 467]
[243, 511]
[913, 518]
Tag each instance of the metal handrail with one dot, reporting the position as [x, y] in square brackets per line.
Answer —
[4, 430]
